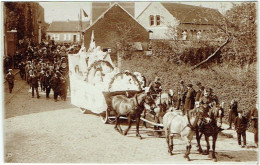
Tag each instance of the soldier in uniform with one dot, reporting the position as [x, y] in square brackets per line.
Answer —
[155, 87]
[41, 78]
[55, 82]
[206, 101]
[34, 84]
[190, 99]
[10, 80]
[47, 84]
[241, 127]
[181, 91]
[232, 112]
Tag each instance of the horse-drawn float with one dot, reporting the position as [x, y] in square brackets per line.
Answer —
[95, 80]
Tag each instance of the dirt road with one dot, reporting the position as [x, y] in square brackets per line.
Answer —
[44, 131]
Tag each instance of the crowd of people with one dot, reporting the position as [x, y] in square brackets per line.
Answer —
[44, 67]
[187, 97]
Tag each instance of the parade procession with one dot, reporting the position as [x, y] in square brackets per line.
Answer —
[106, 90]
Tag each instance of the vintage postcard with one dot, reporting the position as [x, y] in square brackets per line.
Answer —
[129, 82]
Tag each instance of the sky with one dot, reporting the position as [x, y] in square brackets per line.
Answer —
[55, 11]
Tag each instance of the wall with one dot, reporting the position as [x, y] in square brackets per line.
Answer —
[159, 31]
[62, 38]
[112, 29]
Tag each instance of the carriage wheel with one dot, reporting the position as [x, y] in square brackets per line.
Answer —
[107, 118]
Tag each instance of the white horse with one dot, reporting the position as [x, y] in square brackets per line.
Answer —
[175, 123]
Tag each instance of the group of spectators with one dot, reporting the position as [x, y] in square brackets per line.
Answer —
[44, 67]
[187, 97]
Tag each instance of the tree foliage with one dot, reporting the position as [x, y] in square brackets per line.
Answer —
[239, 24]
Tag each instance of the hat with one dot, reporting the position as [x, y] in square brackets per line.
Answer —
[239, 111]
[189, 85]
[181, 81]
[157, 79]
[202, 87]
[198, 83]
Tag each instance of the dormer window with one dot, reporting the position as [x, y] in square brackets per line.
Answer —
[158, 20]
[151, 20]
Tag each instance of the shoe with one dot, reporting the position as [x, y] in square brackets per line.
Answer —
[242, 146]
[38, 97]
[229, 128]
[32, 96]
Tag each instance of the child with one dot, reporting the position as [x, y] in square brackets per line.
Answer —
[241, 127]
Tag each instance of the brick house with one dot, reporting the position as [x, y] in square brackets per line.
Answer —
[116, 25]
[177, 21]
[65, 31]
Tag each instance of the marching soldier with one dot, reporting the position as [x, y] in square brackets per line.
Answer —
[55, 82]
[10, 80]
[181, 91]
[47, 84]
[34, 84]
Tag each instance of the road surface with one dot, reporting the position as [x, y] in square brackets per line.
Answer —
[44, 131]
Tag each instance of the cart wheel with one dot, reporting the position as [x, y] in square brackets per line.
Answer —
[106, 118]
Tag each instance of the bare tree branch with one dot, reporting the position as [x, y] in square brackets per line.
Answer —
[209, 57]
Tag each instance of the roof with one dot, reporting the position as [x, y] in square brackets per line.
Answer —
[192, 14]
[102, 15]
[67, 26]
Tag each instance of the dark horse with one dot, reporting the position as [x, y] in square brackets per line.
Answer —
[210, 128]
[132, 107]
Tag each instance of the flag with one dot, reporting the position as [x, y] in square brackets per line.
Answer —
[92, 42]
[85, 14]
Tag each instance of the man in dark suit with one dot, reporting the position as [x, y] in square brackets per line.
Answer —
[254, 122]
[190, 99]
[232, 112]
[181, 94]
[241, 127]
[10, 80]
[199, 92]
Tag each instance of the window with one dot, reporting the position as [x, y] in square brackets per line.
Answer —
[151, 20]
[68, 36]
[78, 37]
[158, 20]
[58, 36]
[65, 37]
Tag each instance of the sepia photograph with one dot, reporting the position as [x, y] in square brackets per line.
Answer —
[129, 82]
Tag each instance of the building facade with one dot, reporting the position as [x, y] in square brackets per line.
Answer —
[177, 21]
[65, 31]
[116, 27]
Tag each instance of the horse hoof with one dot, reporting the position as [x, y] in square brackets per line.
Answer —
[205, 153]
[200, 150]
[187, 157]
